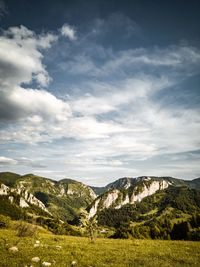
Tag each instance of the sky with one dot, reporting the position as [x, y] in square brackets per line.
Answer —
[98, 90]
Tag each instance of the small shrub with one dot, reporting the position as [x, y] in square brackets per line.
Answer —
[89, 225]
[25, 229]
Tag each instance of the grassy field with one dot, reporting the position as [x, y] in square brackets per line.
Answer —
[67, 251]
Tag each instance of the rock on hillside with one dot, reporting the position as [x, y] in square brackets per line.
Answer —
[127, 191]
[21, 196]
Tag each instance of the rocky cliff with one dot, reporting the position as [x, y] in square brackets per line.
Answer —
[127, 191]
[21, 196]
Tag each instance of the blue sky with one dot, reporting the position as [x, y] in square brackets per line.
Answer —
[97, 90]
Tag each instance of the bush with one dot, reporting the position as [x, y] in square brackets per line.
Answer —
[4, 221]
[26, 229]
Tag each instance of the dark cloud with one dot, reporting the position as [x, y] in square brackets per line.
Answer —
[8, 111]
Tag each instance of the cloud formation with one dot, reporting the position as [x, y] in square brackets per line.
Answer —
[21, 63]
[112, 121]
[182, 59]
[7, 161]
[68, 31]
[21, 58]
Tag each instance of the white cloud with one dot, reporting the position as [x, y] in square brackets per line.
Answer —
[93, 162]
[7, 161]
[90, 128]
[116, 96]
[115, 122]
[68, 31]
[140, 127]
[36, 163]
[39, 102]
[21, 62]
[21, 58]
[180, 58]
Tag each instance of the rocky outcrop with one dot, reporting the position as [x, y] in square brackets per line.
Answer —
[111, 198]
[4, 190]
[61, 198]
[94, 208]
[129, 193]
[105, 202]
[23, 203]
[25, 199]
[62, 191]
[11, 199]
[124, 202]
[148, 190]
[31, 199]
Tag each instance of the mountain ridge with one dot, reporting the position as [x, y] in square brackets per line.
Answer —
[142, 203]
[18, 176]
[67, 196]
[62, 198]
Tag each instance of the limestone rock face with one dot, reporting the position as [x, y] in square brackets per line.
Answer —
[30, 198]
[124, 202]
[23, 203]
[111, 197]
[129, 192]
[94, 208]
[149, 190]
[11, 198]
[4, 190]
[106, 202]
[62, 191]
[25, 199]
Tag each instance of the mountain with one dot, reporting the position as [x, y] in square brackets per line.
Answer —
[142, 207]
[173, 213]
[125, 181]
[120, 183]
[150, 207]
[127, 191]
[66, 197]
[61, 199]
[131, 190]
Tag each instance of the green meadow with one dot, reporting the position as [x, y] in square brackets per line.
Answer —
[68, 251]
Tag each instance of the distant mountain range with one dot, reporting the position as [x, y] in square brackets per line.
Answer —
[140, 202]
